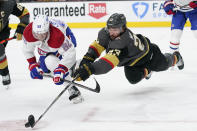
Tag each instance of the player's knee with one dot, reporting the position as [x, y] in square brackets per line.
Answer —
[51, 62]
[134, 79]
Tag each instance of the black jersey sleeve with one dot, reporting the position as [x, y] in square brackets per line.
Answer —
[22, 13]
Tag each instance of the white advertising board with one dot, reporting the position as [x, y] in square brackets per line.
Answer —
[95, 14]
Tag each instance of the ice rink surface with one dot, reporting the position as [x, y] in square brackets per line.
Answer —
[166, 102]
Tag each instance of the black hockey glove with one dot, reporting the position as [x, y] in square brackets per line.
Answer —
[87, 59]
[19, 31]
[84, 72]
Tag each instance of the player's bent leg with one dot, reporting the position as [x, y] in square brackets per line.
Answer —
[133, 75]
[158, 61]
[175, 59]
[49, 63]
[180, 62]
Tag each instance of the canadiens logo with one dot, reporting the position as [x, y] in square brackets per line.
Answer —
[2, 13]
[115, 52]
[42, 52]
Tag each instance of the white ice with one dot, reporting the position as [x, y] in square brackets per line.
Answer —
[166, 102]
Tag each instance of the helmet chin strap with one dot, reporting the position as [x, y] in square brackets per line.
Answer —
[121, 30]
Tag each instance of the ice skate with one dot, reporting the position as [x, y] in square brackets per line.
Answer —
[75, 95]
[6, 81]
[147, 73]
[180, 62]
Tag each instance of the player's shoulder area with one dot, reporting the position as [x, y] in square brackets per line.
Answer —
[103, 33]
[58, 23]
[27, 34]
[128, 34]
[57, 37]
[125, 39]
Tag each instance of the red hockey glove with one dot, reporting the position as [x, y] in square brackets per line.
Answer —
[168, 7]
[193, 4]
[59, 74]
[35, 71]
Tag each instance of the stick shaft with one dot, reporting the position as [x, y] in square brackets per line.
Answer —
[3, 41]
[62, 92]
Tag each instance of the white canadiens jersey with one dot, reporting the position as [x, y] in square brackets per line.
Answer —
[183, 5]
[56, 41]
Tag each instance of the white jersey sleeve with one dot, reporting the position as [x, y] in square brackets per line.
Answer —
[61, 25]
[68, 53]
[183, 5]
[28, 48]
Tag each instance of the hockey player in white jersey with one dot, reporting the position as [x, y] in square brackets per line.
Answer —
[56, 48]
[181, 11]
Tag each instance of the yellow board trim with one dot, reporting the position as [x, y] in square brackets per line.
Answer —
[103, 24]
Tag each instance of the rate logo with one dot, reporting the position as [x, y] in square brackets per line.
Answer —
[97, 10]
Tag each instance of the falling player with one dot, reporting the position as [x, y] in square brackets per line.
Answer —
[134, 52]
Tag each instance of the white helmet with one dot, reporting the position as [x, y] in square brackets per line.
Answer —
[40, 24]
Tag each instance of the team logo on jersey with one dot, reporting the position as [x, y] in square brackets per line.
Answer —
[42, 52]
[140, 9]
[115, 52]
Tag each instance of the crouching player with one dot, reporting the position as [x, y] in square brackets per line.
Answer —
[56, 48]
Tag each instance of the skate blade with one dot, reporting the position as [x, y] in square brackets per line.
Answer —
[172, 68]
[77, 100]
[7, 87]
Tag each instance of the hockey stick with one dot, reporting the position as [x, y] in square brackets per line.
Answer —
[177, 7]
[8, 39]
[31, 120]
[97, 89]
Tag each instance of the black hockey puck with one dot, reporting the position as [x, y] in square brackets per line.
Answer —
[27, 125]
[31, 121]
